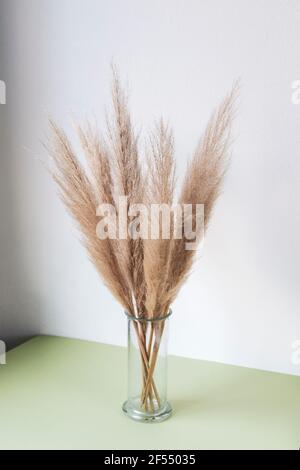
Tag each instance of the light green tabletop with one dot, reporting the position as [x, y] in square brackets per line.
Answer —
[58, 393]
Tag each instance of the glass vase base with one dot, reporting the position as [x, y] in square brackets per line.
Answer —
[144, 416]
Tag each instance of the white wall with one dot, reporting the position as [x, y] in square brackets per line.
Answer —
[180, 57]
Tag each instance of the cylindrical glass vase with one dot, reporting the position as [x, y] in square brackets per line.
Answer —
[147, 369]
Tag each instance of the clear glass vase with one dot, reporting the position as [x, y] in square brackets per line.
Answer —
[147, 369]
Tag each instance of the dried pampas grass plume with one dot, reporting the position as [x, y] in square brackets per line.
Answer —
[202, 185]
[161, 185]
[81, 197]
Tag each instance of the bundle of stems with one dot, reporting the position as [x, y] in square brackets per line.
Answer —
[144, 275]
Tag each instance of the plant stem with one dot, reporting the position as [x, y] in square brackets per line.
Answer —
[145, 361]
[152, 362]
[150, 341]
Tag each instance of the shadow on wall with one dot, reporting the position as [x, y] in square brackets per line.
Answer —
[16, 323]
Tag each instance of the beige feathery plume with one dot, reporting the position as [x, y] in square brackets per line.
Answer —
[80, 197]
[202, 185]
[161, 182]
[100, 171]
[125, 157]
[99, 166]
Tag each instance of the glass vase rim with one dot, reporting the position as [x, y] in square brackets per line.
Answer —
[150, 320]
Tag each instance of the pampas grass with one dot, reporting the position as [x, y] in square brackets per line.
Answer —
[161, 184]
[144, 276]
